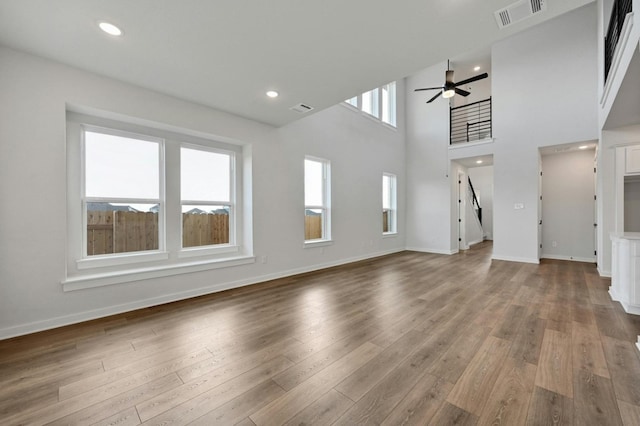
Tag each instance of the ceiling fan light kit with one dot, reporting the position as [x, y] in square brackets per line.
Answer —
[450, 87]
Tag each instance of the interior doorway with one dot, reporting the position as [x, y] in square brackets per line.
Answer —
[567, 206]
[473, 196]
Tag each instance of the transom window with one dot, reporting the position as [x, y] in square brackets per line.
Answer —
[379, 103]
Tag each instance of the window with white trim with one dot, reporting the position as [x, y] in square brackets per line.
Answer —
[317, 220]
[389, 206]
[145, 201]
[379, 103]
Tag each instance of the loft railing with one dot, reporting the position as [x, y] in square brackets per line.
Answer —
[618, 14]
[476, 203]
[471, 122]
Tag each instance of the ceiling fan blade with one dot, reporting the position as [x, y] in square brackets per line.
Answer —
[461, 92]
[472, 79]
[428, 88]
[434, 98]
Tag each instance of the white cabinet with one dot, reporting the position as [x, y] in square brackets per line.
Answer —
[632, 159]
[625, 271]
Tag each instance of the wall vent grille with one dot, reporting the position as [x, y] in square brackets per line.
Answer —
[519, 11]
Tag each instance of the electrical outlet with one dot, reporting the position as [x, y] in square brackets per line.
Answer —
[554, 244]
[264, 259]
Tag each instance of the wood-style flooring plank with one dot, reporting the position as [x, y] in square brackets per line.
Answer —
[236, 410]
[549, 408]
[449, 414]
[297, 399]
[180, 412]
[624, 368]
[324, 411]
[594, 401]
[421, 403]
[474, 386]
[554, 371]
[507, 404]
[587, 350]
[629, 413]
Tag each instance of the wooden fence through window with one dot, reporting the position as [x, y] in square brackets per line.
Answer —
[124, 231]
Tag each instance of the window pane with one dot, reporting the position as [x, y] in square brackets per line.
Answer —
[205, 225]
[113, 163]
[353, 101]
[386, 220]
[204, 175]
[370, 102]
[313, 219]
[389, 103]
[121, 228]
[313, 183]
[386, 192]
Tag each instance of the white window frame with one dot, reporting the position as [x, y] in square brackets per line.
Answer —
[84, 271]
[87, 261]
[379, 103]
[392, 211]
[231, 246]
[326, 202]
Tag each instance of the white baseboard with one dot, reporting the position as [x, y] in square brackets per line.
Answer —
[570, 258]
[603, 273]
[36, 326]
[431, 250]
[516, 259]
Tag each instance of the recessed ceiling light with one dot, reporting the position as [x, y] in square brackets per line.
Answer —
[476, 68]
[110, 29]
[479, 162]
[583, 147]
[272, 94]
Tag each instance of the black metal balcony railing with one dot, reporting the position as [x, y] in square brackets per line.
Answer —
[471, 122]
[618, 14]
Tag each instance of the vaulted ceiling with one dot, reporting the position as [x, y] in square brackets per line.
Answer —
[227, 54]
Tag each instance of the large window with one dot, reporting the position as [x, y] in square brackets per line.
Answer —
[389, 209]
[379, 103]
[316, 200]
[144, 201]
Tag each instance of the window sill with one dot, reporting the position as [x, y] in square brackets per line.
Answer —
[389, 234]
[207, 251]
[317, 243]
[122, 259]
[108, 278]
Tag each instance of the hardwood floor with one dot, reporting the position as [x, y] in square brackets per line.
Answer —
[410, 338]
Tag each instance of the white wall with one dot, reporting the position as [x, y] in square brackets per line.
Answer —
[430, 180]
[568, 207]
[482, 179]
[35, 93]
[534, 105]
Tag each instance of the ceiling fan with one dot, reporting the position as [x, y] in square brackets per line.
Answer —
[450, 87]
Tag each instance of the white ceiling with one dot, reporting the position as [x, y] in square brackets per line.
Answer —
[226, 54]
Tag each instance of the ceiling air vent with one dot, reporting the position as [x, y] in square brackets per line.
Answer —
[518, 11]
[301, 108]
